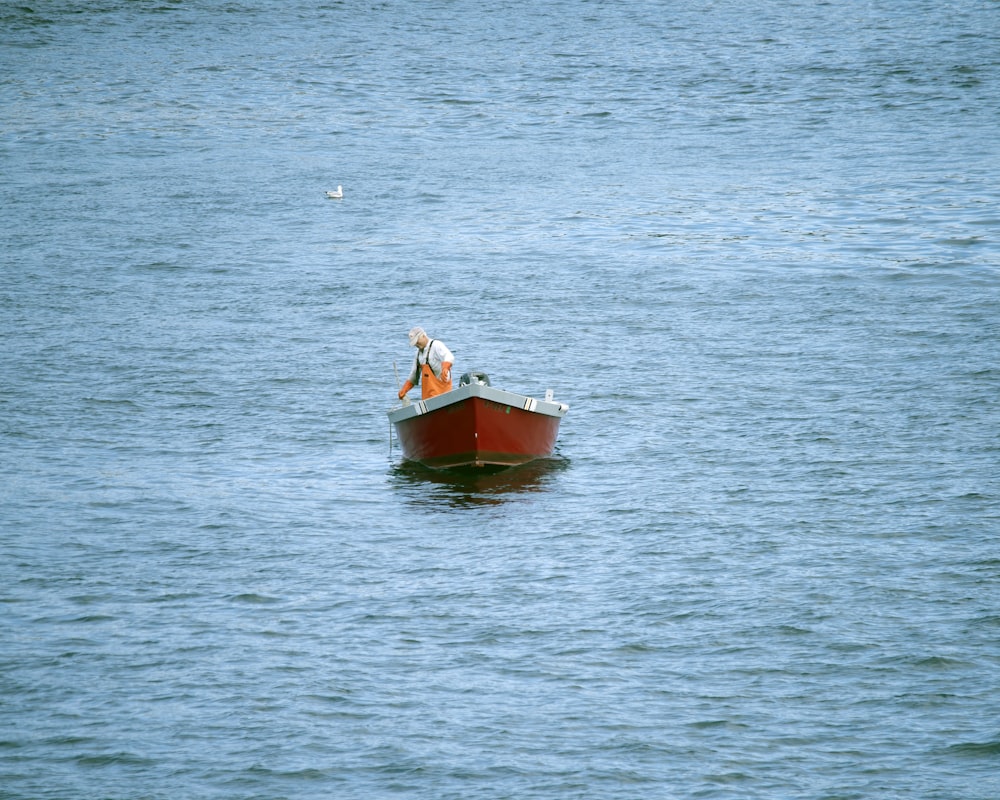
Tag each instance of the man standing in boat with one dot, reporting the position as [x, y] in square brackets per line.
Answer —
[431, 367]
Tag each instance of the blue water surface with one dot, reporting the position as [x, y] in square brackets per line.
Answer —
[755, 248]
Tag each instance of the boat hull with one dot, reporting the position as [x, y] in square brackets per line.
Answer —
[477, 426]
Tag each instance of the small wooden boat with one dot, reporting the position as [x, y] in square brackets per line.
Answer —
[477, 425]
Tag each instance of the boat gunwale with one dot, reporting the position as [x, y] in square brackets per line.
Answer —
[513, 399]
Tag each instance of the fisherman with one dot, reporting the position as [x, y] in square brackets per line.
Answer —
[431, 367]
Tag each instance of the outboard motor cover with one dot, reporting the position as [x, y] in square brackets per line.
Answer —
[474, 377]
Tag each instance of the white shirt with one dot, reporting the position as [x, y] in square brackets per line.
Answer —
[438, 354]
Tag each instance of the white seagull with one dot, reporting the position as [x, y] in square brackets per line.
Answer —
[337, 194]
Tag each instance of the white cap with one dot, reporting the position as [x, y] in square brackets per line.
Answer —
[416, 333]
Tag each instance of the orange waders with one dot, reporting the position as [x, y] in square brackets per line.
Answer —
[430, 384]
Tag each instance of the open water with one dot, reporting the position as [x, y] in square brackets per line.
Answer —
[754, 246]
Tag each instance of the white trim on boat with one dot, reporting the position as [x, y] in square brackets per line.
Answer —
[549, 408]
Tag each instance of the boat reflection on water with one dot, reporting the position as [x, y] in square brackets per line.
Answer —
[476, 486]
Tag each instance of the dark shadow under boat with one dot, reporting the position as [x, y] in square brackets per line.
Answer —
[478, 485]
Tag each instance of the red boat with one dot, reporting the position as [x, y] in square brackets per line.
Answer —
[477, 425]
